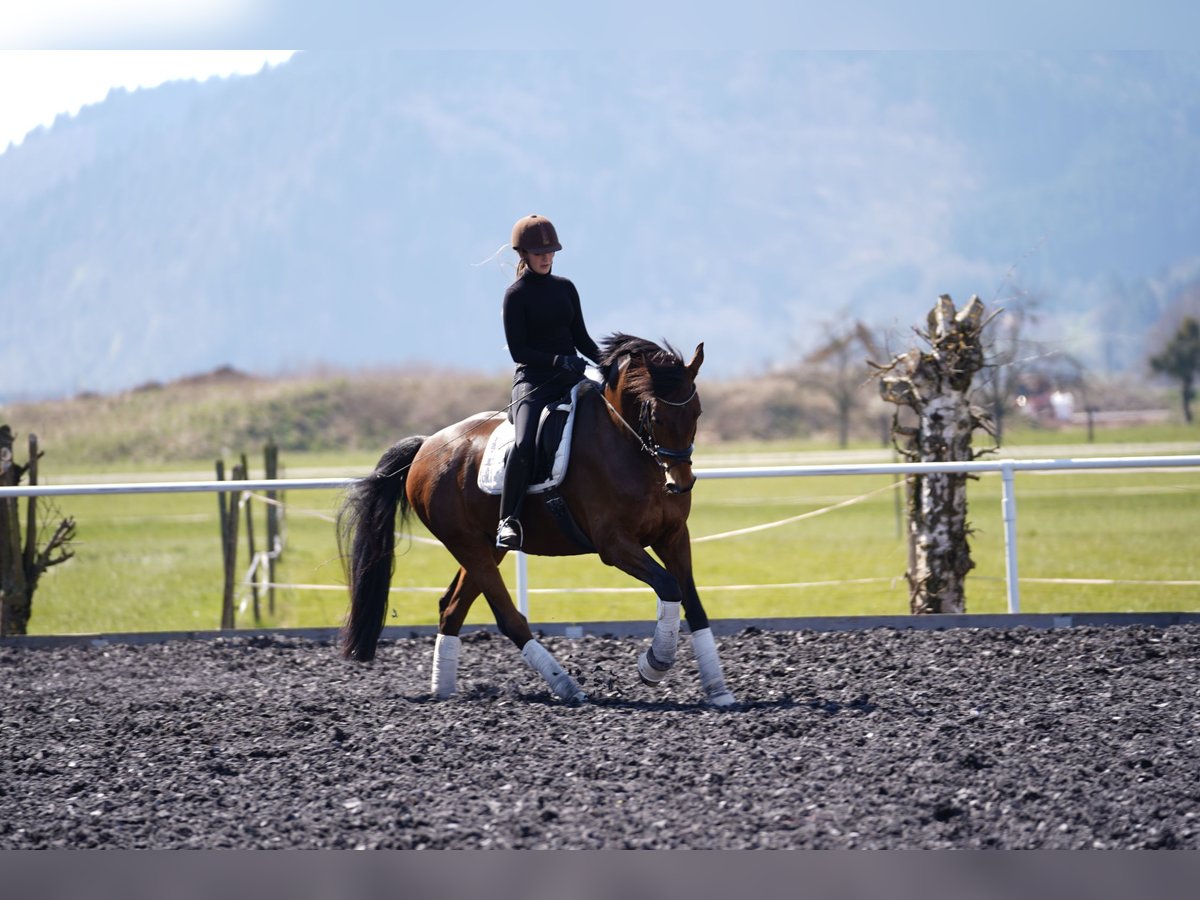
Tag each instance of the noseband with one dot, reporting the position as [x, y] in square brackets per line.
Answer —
[646, 431]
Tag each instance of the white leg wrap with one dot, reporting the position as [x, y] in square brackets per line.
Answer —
[654, 664]
[542, 662]
[666, 633]
[445, 666]
[712, 681]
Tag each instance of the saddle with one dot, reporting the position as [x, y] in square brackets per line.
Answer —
[553, 447]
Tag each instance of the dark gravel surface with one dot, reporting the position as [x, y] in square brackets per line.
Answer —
[1075, 737]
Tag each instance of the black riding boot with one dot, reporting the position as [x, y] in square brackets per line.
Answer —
[510, 535]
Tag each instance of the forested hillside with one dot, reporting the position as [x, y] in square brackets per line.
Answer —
[334, 209]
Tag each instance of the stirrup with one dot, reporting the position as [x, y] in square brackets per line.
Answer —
[510, 535]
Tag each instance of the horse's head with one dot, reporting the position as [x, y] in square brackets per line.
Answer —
[654, 392]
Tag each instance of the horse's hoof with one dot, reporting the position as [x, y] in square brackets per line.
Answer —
[722, 700]
[648, 673]
[567, 689]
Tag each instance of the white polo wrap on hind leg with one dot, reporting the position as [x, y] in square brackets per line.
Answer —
[445, 665]
[654, 663]
[712, 681]
[542, 662]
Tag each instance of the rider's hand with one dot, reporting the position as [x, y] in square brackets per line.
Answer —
[571, 363]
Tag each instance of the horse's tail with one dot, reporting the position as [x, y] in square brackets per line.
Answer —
[367, 528]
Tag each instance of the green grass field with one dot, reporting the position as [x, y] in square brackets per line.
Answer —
[152, 562]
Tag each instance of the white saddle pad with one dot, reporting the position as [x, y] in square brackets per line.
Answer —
[491, 468]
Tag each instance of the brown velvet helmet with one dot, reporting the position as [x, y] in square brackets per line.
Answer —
[535, 234]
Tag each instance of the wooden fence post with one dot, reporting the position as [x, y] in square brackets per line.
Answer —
[250, 545]
[231, 572]
[223, 524]
[274, 546]
[228, 511]
[31, 531]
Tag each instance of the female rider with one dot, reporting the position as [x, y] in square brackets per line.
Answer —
[543, 323]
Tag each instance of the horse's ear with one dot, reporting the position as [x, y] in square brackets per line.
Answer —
[697, 360]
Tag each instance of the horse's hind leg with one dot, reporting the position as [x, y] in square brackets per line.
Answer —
[485, 574]
[453, 608]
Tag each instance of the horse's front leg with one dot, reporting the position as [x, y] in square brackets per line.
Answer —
[656, 661]
[676, 552]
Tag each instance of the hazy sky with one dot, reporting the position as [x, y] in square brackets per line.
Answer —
[674, 24]
[57, 55]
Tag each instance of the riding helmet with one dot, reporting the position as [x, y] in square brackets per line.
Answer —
[535, 234]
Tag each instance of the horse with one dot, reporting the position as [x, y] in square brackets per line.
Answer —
[627, 488]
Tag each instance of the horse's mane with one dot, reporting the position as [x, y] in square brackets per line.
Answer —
[653, 370]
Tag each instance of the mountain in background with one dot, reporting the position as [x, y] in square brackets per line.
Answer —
[336, 209]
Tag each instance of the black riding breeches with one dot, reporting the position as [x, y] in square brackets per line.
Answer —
[529, 399]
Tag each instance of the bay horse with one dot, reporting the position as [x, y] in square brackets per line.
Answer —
[628, 487]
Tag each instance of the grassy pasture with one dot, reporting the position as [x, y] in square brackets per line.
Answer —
[152, 562]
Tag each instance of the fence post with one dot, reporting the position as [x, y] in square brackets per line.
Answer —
[271, 464]
[1008, 504]
[227, 504]
[223, 510]
[231, 569]
[31, 523]
[254, 562]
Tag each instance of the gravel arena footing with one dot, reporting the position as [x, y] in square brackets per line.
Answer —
[966, 738]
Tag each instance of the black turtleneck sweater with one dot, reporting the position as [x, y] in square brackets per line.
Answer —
[543, 319]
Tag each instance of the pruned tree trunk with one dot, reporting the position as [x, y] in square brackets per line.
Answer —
[22, 563]
[935, 385]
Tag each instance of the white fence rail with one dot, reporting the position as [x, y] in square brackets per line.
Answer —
[1006, 467]
[1008, 498]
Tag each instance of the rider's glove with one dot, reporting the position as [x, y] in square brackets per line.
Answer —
[571, 363]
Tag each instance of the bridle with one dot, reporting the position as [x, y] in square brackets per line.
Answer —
[645, 431]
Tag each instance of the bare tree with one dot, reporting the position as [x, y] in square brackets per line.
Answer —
[836, 368]
[934, 385]
[1009, 356]
[1180, 359]
[22, 562]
